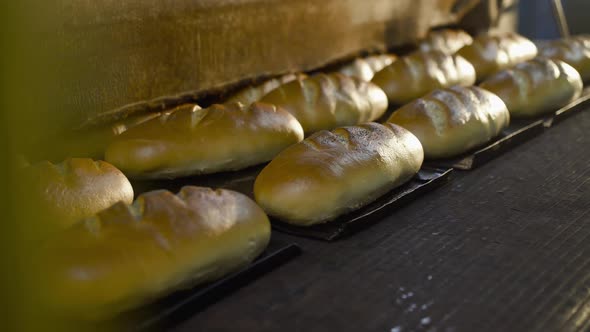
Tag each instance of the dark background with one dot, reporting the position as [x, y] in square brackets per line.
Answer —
[536, 18]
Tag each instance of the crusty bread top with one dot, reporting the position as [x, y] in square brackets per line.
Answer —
[531, 74]
[493, 52]
[193, 210]
[575, 51]
[447, 41]
[325, 154]
[417, 74]
[200, 141]
[536, 86]
[454, 107]
[368, 140]
[380, 61]
[122, 126]
[438, 67]
[76, 188]
[326, 101]
[365, 68]
[568, 48]
[510, 46]
[218, 120]
[452, 121]
[254, 93]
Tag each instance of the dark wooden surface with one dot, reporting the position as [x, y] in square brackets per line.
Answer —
[505, 247]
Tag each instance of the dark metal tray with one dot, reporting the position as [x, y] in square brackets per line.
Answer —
[574, 107]
[427, 179]
[177, 307]
[243, 181]
[517, 133]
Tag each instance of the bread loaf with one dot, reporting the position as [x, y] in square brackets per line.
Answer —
[574, 51]
[334, 172]
[535, 87]
[447, 41]
[129, 255]
[492, 53]
[74, 189]
[200, 141]
[413, 76]
[365, 68]
[451, 121]
[327, 101]
[254, 93]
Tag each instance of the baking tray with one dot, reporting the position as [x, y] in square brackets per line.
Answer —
[242, 181]
[426, 180]
[563, 113]
[177, 307]
[518, 132]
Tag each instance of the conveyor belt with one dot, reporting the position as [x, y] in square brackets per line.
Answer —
[505, 247]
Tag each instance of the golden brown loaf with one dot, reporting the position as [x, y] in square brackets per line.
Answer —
[451, 121]
[492, 53]
[379, 61]
[74, 189]
[334, 172]
[365, 68]
[413, 76]
[200, 141]
[535, 87]
[327, 101]
[574, 51]
[132, 254]
[254, 93]
[447, 41]
[122, 126]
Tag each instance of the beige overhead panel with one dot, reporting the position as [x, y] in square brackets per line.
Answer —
[120, 57]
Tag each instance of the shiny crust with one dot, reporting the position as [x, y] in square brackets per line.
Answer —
[254, 93]
[74, 189]
[451, 121]
[365, 68]
[327, 101]
[535, 87]
[415, 75]
[122, 126]
[132, 254]
[447, 41]
[574, 51]
[334, 172]
[200, 141]
[492, 53]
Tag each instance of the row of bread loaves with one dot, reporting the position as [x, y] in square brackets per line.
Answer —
[111, 255]
[179, 142]
[190, 140]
